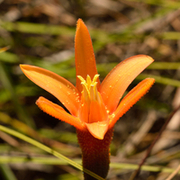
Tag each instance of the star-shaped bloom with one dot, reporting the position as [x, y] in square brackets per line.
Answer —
[93, 107]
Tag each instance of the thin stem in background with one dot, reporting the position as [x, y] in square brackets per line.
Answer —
[136, 173]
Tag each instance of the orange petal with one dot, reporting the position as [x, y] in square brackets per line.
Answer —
[98, 129]
[97, 112]
[58, 112]
[54, 84]
[84, 54]
[117, 81]
[131, 98]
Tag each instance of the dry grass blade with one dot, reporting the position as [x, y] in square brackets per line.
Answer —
[174, 173]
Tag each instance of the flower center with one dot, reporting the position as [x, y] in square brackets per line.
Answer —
[92, 106]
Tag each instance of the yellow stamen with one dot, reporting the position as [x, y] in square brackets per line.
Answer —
[90, 88]
[93, 108]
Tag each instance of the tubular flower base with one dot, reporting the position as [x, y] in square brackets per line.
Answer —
[95, 152]
[94, 107]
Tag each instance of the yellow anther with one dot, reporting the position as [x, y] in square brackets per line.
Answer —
[89, 88]
[95, 78]
[88, 81]
[81, 79]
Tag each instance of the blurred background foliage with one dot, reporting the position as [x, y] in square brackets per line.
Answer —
[41, 33]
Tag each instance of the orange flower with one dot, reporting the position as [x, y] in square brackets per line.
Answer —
[94, 107]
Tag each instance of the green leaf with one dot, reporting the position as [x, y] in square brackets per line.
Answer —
[49, 150]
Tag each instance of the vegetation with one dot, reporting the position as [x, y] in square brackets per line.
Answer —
[42, 33]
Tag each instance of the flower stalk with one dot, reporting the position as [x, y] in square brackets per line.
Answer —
[95, 153]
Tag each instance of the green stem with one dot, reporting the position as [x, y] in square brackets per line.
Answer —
[6, 172]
